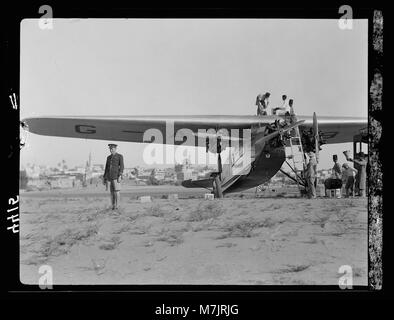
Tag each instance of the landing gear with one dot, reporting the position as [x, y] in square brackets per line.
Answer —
[217, 187]
[216, 176]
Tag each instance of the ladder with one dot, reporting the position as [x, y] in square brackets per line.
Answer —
[297, 155]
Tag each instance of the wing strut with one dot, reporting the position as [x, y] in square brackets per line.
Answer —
[217, 182]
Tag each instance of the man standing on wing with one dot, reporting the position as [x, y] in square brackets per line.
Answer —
[113, 174]
[284, 109]
[262, 104]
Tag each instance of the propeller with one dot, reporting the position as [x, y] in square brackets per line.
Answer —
[23, 134]
[316, 135]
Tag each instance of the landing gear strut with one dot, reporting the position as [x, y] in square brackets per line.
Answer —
[217, 187]
[216, 176]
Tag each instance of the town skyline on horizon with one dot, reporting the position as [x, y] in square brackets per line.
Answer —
[148, 167]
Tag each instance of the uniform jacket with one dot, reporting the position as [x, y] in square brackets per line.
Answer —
[113, 167]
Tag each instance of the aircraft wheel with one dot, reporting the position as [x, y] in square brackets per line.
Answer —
[217, 188]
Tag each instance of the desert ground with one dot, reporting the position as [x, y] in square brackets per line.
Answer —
[242, 239]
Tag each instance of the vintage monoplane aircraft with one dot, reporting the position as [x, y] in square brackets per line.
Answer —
[259, 143]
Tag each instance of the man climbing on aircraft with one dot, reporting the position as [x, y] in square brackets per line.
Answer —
[262, 102]
[283, 108]
[113, 174]
[291, 118]
[291, 108]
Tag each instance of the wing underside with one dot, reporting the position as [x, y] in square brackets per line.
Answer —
[175, 129]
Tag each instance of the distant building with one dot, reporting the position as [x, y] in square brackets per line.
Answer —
[89, 167]
[204, 173]
[143, 174]
[184, 175]
[159, 175]
[98, 167]
[80, 169]
[324, 174]
[184, 171]
[33, 171]
[62, 182]
[38, 184]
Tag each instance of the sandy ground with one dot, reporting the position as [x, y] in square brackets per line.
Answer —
[236, 240]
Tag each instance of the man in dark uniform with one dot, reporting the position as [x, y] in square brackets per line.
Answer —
[113, 174]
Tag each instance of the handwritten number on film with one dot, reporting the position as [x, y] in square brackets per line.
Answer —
[13, 217]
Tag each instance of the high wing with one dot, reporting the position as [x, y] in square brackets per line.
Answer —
[337, 129]
[132, 128]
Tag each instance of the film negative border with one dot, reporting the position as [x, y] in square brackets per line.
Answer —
[375, 174]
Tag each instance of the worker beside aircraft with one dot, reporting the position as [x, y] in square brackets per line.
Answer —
[310, 175]
[348, 179]
[113, 174]
[361, 177]
[336, 169]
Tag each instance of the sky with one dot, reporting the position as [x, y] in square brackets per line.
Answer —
[85, 67]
